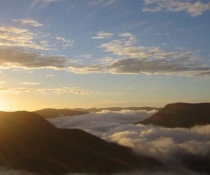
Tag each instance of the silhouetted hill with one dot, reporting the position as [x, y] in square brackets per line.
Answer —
[29, 142]
[52, 113]
[181, 115]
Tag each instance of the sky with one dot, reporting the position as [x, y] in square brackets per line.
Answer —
[103, 53]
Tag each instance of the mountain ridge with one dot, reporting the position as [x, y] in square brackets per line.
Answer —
[52, 112]
[184, 115]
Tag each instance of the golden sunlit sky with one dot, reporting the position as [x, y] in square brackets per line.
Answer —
[103, 53]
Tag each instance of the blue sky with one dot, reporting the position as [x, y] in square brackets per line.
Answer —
[100, 53]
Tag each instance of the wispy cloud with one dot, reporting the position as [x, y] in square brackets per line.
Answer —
[31, 83]
[95, 2]
[193, 8]
[101, 2]
[46, 91]
[102, 35]
[85, 56]
[49, 1]
[65, 42]
[49, 75]
[110, 2]
[28, 21]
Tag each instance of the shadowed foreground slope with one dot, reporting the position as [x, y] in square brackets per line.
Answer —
[29, 142]
[181, 115]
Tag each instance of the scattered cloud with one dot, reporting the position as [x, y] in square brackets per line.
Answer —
[101, 2]
[95, 2]
[135, 66]
[49, 1]
[46, 91]
[193, 8]
[85, 56]
[19, 37]
[28, 21]
[110, 2]
[159, 34]
[132, 59]
[18, 58]
[106, 60]
[151, 60]
[31, 83]
[102, 35]
[127, 47]
[49, 75]
[66, 42]
[203, 74]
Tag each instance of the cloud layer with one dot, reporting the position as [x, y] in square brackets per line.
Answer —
[165, 144]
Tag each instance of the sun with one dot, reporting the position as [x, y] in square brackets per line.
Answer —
[3, 104]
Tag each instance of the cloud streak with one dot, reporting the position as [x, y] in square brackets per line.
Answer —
[101, 2]
[193, 8]
[46, 91]
[31, 83]
[49, 1]
[103, 35]
[29, 22]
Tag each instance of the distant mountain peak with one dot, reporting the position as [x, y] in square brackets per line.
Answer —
[184, 115]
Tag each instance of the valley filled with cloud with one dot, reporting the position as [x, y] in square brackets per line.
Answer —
[167, 145]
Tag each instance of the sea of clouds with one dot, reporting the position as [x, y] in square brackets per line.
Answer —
[167, 145]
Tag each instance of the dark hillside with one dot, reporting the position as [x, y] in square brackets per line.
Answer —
[29, 142]
[181, 115]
